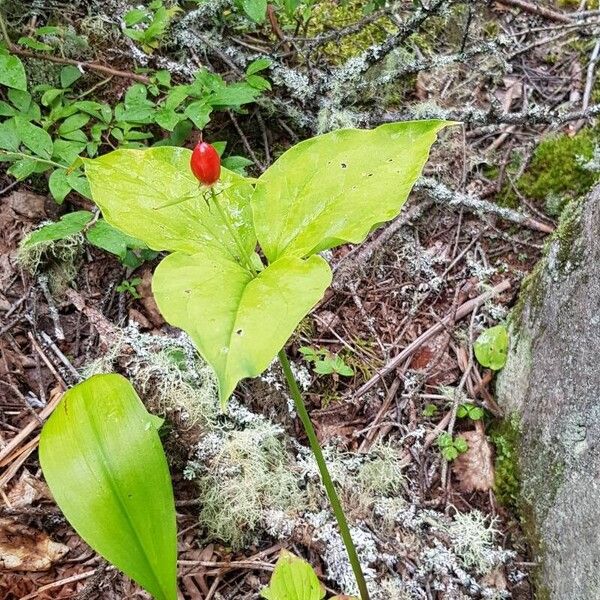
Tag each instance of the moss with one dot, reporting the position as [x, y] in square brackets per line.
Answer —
[249, 474]
[556, 173]
[567, 235]
[531, 293]
[330, 15]
[58, 260]
[505, 436]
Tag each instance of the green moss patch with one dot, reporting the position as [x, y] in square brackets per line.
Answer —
[330, 15]
[558, 172]
[505, 435]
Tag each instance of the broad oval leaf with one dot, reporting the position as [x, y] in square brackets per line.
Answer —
[12, 72]
[293, 579]
[334, 188]
[35, 138]
[238, 323]
[152, 195]
[102, 458]
[491, 347]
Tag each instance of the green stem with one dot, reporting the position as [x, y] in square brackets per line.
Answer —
[32, 157]
[233, 232]
[325, 476]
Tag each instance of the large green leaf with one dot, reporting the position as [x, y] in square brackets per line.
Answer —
[293, 579]
[35, 138]
[102, 458]
[238, 323]
[334, 188]
[152, 195]
[12, 72]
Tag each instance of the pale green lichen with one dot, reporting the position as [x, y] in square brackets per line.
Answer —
[58, 260]
[242, 477]
[167, 371]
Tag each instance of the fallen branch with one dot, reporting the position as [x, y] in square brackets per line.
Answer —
[537, 9]
[375, 54]
[79, 64]
[444, 195]
[462, 311]
[489, 120]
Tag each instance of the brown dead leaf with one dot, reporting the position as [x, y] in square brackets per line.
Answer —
[23, 548]
[475, 469]
[434, 359]
[27, 491]
[495, 579]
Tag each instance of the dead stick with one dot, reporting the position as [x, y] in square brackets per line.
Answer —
[463, 310]
[537, 9]
[80, 64]
[30, 427]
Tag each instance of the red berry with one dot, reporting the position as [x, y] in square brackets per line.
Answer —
[205, 163]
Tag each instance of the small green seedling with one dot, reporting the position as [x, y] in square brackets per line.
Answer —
[491, 347]
[430, 410]
[147, 26]
[451, 447]
[326, 363]
[129, 286]
[470, 411]
[293, 579]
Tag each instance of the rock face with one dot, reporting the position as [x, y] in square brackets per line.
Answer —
[550, 388]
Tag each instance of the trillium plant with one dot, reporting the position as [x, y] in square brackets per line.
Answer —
[243, 268]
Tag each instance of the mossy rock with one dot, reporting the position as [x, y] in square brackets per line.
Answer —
[550, 384]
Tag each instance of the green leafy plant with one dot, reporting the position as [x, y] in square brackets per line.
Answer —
[102, 458]
[256, 10]
[294, 579]
[430, 410]
[451, 447]
[215, 284]
[325, 363]
[148, 25]
[47, 129]
[129, 286]
[470, 411]
[491, 347]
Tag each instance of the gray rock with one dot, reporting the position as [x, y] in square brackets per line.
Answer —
[551, 388]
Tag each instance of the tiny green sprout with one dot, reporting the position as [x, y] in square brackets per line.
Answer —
[129, 286]
[326, 363]
[468, 410]
[451, 447]
[430, 410]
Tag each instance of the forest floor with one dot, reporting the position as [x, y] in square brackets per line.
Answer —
[402, 315]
